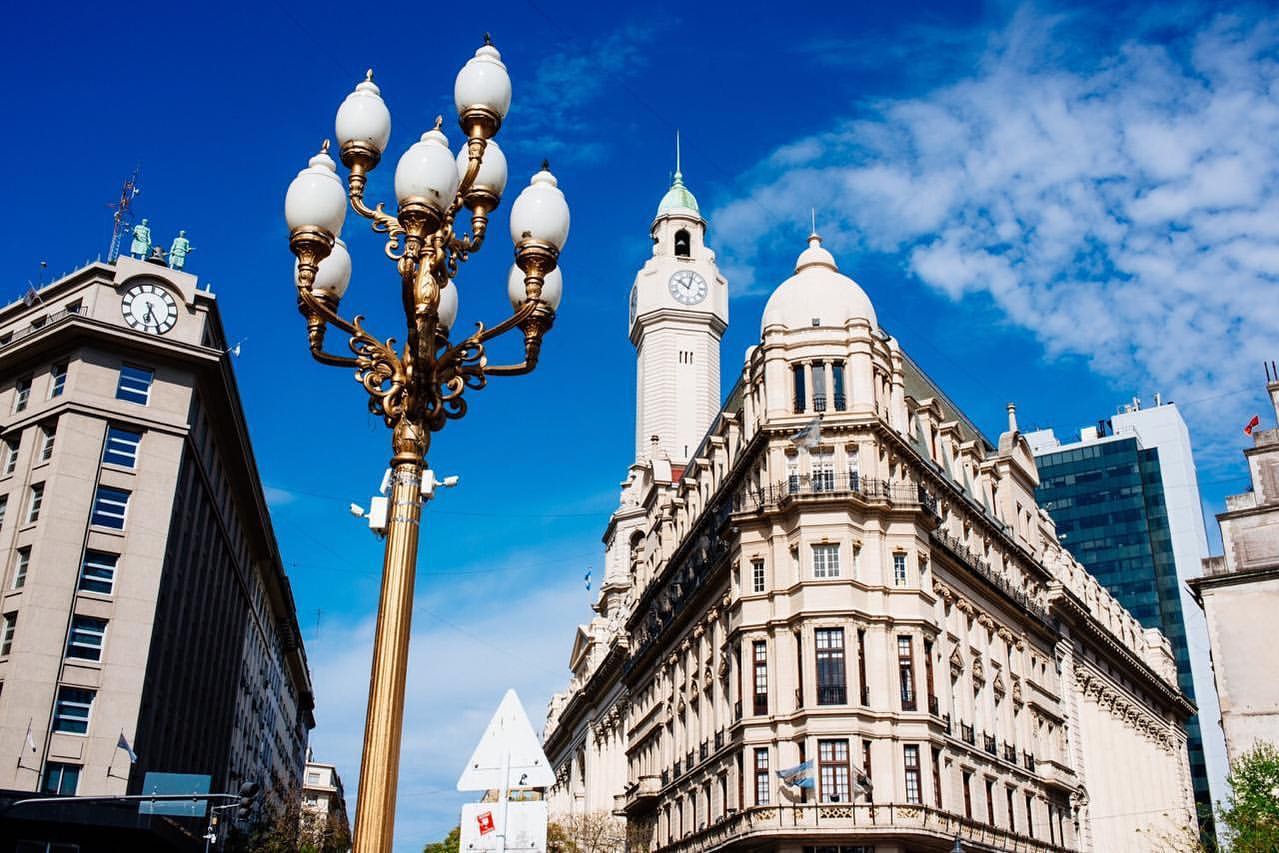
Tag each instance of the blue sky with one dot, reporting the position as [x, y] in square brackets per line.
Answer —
[1065, 207]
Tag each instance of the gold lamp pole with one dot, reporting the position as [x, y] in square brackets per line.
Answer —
[418, 388]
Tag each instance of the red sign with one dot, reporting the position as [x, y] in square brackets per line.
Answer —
[485, 820]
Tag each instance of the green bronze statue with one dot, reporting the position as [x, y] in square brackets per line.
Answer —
[141, 245]
[179, 250]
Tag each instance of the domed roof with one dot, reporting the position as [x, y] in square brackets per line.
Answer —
[678, 198]
[818, 294]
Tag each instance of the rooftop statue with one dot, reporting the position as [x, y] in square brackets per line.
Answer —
[141, 245]
[179, 249]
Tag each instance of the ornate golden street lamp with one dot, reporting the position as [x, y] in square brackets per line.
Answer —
[417, 388]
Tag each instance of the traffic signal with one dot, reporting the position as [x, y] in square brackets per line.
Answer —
[248, 796]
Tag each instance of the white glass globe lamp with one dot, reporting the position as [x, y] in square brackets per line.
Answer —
[363, 118]
[540, 212]
[333, 274]
[484, 87]
[427, 172]
[552, 288]
[316, 197]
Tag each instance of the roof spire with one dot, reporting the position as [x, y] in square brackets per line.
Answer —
[1012, 417]
[813, 233]
[678, 197]
[679, 176]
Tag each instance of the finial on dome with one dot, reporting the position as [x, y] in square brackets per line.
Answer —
[1012, 417]
[813, 233]
[679, 176]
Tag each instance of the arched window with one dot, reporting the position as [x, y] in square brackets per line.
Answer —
[683, 244]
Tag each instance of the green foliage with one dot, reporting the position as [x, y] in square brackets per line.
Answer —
[1251, 815]
[450, 843]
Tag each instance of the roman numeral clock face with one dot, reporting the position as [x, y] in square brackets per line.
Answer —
[150, 308]
[688, 287]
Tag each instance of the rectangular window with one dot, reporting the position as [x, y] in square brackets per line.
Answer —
[57, 380]
[6, 634]
[761, 776]
[801, 390]
[864, 781]
[121, 447]
[1030, 816]
[22, 394]
[861, 666]
[4, 508]
[760, 654]
[71, 713]
[968, 795]
[61, 780]
[831, 678]
[899, 569]
[87, 635]
[906, 671]
[990, 802]
[757, 575]
[135, 384]
[937, 801]
[823, 467]
[910, 756]
[35, 502]
[837, 379]
[933, 705]
[1012, 815]
[10, 455]
[21, 563]
[799, 676]
[826, 561]
[97, 573]
[110, 507]
[832, 756]
[48, 433]
[819, 386]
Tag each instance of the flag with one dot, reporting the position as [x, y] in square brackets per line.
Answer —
[587, 579]
[1252, 424]
[123, 743]
[864, 785]
[31, 744]
[811, 435]
[800, 775]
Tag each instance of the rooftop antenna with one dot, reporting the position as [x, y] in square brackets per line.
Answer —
[120, 219]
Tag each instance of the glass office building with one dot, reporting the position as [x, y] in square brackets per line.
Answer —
[1107, 500]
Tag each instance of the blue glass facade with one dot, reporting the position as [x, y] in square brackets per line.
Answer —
[1107, 500]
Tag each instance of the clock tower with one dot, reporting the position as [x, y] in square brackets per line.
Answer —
[679, 310]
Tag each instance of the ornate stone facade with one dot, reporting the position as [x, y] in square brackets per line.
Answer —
[849, 587]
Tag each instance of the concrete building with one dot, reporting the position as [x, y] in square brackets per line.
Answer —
[324, 819]
[1239, 593]
[842, 622]
[1125, 500]
[143, 594]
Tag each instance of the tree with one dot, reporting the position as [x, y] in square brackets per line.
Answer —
[593, 832]
[1251, 813]
[450, 843]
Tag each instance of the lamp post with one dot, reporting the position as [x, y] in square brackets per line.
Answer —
[418, 387]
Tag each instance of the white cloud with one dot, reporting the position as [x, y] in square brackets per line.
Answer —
[1123, 208]
[462, 660]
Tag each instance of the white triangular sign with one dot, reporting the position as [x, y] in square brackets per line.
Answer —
[509, 741]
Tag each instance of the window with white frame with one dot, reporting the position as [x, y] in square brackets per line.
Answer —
[121, 447]
[22, 394]
[35, 502]
[10, 455]
[826, 560]
[7, 630]
[899, 569]
[87, 636]
[97, 572]
[135, 384]
[4, 508]
[60, 780]
[71, 713]
[757, 575]
[57, 380]
[22, 562]
[823, 461]
[110, 507]
[48, 433]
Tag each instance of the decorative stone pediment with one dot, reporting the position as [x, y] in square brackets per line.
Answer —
[956, 661]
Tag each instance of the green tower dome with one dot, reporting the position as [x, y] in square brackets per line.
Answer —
[678, 197]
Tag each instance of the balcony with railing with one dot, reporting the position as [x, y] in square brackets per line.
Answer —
[704, 751]
[819, 402]
[983, 568]
[43, 323]
[677, 771]
[988, 744]
[643, 792]
[946, 720]
[923, 827]
[719, 739]
[689, 761]
[831, 484]
[1028, 760]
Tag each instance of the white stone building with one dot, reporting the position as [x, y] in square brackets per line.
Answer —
[1239, 593]
[876, 606]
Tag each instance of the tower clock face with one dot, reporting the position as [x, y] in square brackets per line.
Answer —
[688, 287]
[634, 302]
[149, 307]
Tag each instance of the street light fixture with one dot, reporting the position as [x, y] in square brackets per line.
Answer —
[417, 388]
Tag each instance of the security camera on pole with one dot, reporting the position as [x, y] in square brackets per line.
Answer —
[508, 757]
